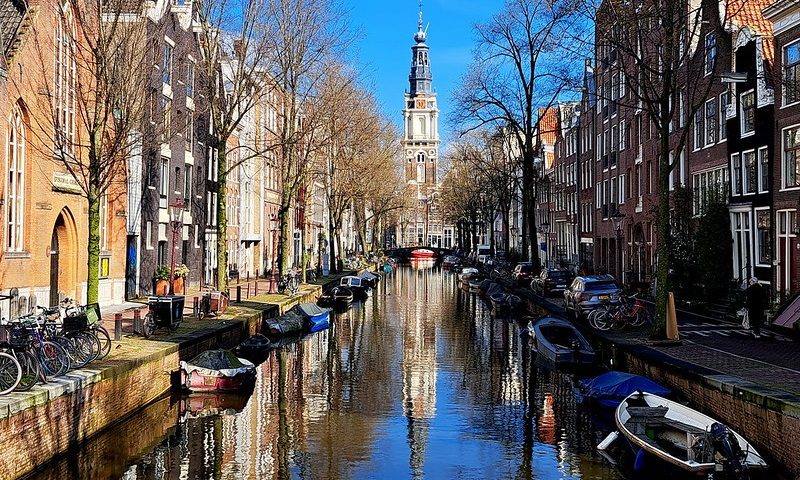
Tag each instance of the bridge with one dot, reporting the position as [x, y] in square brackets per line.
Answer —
[403, 253]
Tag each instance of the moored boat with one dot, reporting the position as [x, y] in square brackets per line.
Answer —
[422, 253]
[356, 285]
[683, 437]
[290, 322]
[611, 388]
[216, 370]
[561, 343]
[316, 318]
[369, 279]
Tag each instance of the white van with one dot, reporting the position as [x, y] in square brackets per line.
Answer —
[483, 253]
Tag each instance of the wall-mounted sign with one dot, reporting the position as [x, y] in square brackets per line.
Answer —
[64, 182]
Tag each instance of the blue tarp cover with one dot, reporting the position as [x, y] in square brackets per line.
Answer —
[609, 389]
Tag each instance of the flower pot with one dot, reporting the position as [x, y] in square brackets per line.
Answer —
[162, 287]
[177, 285]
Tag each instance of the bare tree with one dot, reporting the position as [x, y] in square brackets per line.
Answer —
[521, 64]
[304, 36]
[91, 111]
[658, 50]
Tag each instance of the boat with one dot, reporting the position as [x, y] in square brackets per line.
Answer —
[609, 389]
[561, 343]
[356, 285]
[316, 318]
[208, 404]
[338, 298]
[217, 370]
[369, 279]
[421, 253]
[682, 437]
[450, 261]
[505, 303]
[256, 348]
[289, 322]
[467, 273]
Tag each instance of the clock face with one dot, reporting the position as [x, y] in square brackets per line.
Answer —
[420, 103]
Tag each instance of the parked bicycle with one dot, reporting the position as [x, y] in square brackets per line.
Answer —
[631, 310]
[289, 283]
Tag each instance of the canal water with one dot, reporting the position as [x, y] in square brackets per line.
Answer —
[419, 381]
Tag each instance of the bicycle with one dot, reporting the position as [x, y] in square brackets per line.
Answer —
[289, 281]
[93, 322]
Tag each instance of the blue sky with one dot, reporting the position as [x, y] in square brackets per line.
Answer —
[386, 30]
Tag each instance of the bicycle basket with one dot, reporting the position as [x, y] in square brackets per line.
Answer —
[77, 323]
[14, 335]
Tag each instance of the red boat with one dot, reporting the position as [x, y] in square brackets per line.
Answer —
[422, 253]
[217, 370]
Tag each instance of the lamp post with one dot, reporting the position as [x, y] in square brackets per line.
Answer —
[176, 221]
[618, 219]
[544, 227]
[273, 228]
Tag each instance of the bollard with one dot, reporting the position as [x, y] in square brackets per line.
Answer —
[137, 321]
[248, 290]
[238, 294]
[117, 326]
[196, 307]
[255, 289]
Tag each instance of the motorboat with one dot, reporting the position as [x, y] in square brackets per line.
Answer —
[682, 437]
[505, 303]
[216, 370]
[561, 343]
[467, 273]
[609, 389]
[369, 279]
[450, 261]
[338, 298]
[421, 253]
[356, 285]
[316, 318]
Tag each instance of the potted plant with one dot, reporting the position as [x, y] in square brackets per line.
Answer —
[161, 278]
[178, 283]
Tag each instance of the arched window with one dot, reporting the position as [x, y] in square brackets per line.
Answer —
[420, 157]
[15, 186]
[422, 125]
[421, 172]
[65, 74]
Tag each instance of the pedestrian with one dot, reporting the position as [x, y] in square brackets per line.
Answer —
[756, 302]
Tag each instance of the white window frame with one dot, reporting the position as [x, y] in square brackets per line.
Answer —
[737, 184]
[761, 171]
[708, 67]
[622, 136]
[745, 180]
[784, 187]
[722, 122]
[752, 132]
[710, 131]
[148, 235]
[783, 74]
[757, 238]
[16, 163]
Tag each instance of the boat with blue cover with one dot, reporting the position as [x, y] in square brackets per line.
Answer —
[611, 388]
[316, 317]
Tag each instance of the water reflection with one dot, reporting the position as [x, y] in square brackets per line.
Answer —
[420, 381]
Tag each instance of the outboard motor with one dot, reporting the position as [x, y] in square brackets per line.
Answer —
[727, 447]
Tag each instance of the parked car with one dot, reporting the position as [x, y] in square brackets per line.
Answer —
[523, 273]
[551, 281]
[586, 293]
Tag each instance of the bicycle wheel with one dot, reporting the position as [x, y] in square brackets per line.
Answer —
[148, 325]
[89, 345]
[10, 373]
[641, 317]
[604, 320]
[30, 370]
[53, 358]
[77, 356]
[104, 339]
[281, 286]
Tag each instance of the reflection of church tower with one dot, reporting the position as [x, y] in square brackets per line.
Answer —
[419, 368]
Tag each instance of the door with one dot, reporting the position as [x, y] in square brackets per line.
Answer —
[54, 269]
[786, 246]
[131, 263]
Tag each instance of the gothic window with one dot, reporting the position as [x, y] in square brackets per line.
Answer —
[15, 188]
[65, 74]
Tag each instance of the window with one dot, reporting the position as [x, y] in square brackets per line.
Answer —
[724, 102]
[103, 227]
[711, 52]
[162, 253]
[197, 236]
[711, 121]
[148, 235]
[187, 185]
[622, 135]
[763, 254]
[736, 168]
[763, 169]
[166, 65]
[682, 108]
[748, 117]
[65, 77]
[622, 190]
[751, 171]
[621, 84]
[15, 186]
[188, 140]
[791, 157]
[190, 80]
[698, 131]
[163, 188]
[166, 111]
[791, 68]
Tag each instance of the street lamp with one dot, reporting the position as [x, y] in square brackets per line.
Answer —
[544, 227]
[273, 228]
[617, 220]
[176, 221]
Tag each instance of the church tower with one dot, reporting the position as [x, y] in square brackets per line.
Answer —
[421, 116]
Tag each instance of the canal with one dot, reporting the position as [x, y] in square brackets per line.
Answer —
[419, 381]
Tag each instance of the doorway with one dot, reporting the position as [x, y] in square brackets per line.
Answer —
[54, 258]
[63, 258]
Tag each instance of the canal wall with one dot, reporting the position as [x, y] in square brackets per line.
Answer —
[39, 425]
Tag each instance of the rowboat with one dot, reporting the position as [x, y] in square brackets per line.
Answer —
[683, 437]
[357, 285]
[560, 343]
[216, 370]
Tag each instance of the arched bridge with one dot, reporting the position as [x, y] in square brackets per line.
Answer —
[403, 253]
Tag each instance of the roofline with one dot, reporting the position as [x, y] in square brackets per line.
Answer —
[777, 8]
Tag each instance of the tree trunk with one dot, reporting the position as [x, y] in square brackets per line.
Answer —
[284, 248]
[332, 246]
[93, 247]
[663, 261]
[529, 241]
[222, 219]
